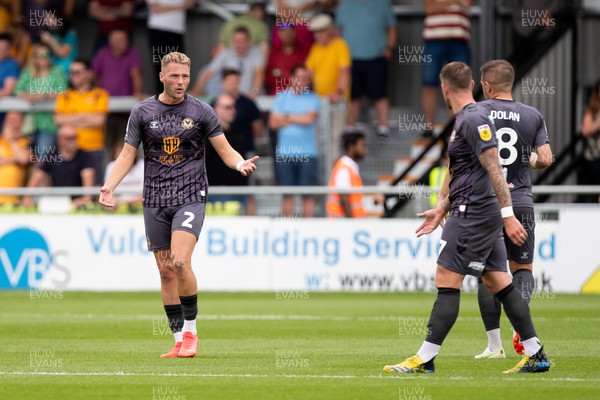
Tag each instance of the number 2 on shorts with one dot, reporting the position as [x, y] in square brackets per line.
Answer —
[190, 218]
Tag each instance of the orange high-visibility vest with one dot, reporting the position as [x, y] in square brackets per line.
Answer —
[334, 207]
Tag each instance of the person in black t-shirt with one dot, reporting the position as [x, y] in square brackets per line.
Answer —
[67, 166]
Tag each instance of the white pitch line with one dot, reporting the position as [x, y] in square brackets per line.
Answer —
[260, 317]
[282, 376]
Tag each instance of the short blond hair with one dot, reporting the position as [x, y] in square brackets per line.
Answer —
[175, 57]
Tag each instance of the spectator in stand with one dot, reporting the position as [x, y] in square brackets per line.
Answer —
[68, 166]
[254, 22]
[166, 25]
[21, 44]
[133, 180]
[247, 120]
[9, 67]
[61, 38]
[212, 87]
[329, 60]
[590, 129]
[118, 66]
[297, 13]
[32, 13]
[9, 70]
[346, 174]
[369, 28]
[282, 60]
[247, 59]
[218, 175]
[14, 155]
[111, 15]
[41, 81]
[118, 69]
[85, 107]
[5, 15]
[446, 34]
[294, 115]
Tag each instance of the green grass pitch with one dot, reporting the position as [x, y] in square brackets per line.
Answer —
[298, 345]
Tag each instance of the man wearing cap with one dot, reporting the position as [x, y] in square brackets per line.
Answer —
[328, 60]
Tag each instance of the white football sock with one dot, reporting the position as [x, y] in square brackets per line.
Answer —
[178, 336]
[494, 340]
[428, 351]
[189, 326]
[532, 345]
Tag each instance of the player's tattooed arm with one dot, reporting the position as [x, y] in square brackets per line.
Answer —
[445, 204]
[490, 161]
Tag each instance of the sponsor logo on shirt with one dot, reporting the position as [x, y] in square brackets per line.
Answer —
[153, 124]
[485, 133]
[171, 144]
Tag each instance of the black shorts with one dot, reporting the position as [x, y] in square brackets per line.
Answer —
[470, 246]
[369, 78]
[523, 254]
[160, 222]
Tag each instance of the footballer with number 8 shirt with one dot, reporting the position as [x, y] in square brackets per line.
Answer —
[173, 128]
[523, 145]
[472, 243]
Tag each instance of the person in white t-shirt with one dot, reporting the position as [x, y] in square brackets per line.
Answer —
[166, 25]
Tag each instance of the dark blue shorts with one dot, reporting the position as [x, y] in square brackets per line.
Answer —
[296, 170]
[471, 245]
[523, 254]
[160, 223]
[442, 52]
[369, 78]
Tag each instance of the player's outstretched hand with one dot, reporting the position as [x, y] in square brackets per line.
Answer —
[433, 218]
[515, 231]
[248, 166]
[106, 198]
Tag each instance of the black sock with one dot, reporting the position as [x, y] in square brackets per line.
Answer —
[489, 307]
[175, 316]
[517, 311]
[189, 305]
[443, 315]
[524, 283]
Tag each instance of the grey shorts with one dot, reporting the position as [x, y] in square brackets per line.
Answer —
[160, 222]
[470, 246]
[523, 254]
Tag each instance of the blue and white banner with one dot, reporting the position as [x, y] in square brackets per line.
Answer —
[258, 254]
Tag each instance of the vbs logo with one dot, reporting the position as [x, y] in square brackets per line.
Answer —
[25, 259]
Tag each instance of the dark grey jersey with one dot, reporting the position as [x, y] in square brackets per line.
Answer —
[471, 193]
[174, 139]
[520, 129]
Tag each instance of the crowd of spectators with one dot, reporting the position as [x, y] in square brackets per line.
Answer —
[334, 49]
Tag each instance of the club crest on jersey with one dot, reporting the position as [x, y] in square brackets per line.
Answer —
[485, 132]
[187, 123]
[171, 144]
[153, 124]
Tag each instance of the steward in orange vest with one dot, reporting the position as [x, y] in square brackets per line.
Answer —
[345, 174]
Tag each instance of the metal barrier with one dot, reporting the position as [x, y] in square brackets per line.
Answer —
[292, 190]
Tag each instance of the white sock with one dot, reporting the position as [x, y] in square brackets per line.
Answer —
[531, 345]
[494, 340]
[428, 351]
[178, 336]
[189, 326]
